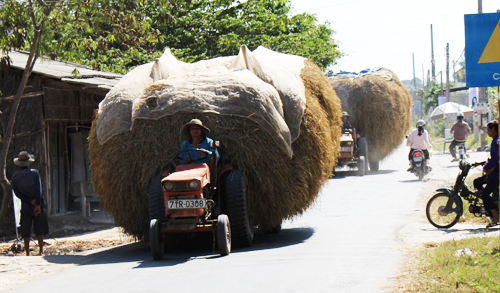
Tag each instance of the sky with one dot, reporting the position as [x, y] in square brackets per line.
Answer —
[386, 33]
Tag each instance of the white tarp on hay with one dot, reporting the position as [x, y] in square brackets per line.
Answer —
[263, 85]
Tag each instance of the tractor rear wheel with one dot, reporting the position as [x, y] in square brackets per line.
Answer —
[236, 208]
[223, 235]
[156, 240]
[156, 199]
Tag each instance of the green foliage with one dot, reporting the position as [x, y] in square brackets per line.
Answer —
[460, 73]
[117, 35]
[493, 94]
[430, 99]
[438, 131]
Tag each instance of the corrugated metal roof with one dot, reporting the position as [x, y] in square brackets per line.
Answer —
[64, 71]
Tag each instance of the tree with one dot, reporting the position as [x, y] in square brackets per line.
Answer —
[43, 27]
[126, 35]
[117, 35]
[12, 34]
[430, 99]
[460, 74]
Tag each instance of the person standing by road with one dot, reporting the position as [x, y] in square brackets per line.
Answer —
[460, 130]
[27, 186]
[490, 168]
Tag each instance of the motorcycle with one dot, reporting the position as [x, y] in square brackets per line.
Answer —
[446, 207]
[419, 166]
[461, 150]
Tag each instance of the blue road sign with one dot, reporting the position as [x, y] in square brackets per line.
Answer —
[482, 49]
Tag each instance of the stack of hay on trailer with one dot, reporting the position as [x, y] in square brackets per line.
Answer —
[379, 106]
[276, 116]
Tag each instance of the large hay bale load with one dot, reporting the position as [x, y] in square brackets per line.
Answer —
[379, 106]
[276, 116]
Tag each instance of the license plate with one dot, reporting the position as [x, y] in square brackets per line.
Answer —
[186, 204]
[417, 159]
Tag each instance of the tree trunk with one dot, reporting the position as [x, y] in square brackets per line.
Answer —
[7, 187]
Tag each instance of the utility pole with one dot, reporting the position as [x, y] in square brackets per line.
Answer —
[482, 96]
[429, 80]
[423, 76]
[454, 72]
[414, 83]
[433, 62]
[447, 72]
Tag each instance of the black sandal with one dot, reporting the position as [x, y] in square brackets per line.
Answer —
[491, 225]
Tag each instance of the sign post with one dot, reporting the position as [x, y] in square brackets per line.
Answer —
[482, 56]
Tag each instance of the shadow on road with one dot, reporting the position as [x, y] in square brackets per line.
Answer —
[343, 174]
[472, 231]
[200, 247]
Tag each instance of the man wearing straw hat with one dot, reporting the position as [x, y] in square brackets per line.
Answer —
[197, 135]
[27, 186]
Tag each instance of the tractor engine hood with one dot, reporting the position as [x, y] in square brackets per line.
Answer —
[189, 172]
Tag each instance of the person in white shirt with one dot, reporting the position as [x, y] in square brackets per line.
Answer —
[419, 140]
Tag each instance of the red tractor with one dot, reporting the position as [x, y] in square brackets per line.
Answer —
[353, 152]
[198, 198]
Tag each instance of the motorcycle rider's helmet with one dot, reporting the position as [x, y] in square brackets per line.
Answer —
[420, 123]
[460, 115]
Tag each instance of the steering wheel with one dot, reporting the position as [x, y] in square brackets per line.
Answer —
[191, 159]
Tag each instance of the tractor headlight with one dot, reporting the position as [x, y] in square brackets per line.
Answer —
[168, 186]
[194, 184]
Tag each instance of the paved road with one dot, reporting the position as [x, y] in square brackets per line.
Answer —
[346, 242]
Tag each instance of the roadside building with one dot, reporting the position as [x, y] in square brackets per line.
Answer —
[53, 122]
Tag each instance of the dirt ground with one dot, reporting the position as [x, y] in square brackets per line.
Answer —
[69, 236]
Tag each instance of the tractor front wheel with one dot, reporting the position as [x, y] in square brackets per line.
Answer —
[363, 151]
[223, 235]
[361, 166]
[156, 240]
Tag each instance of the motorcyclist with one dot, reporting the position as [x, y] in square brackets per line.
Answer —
[419, 140]
[460, 130]
[490, 168]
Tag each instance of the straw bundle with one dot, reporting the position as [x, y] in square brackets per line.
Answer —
[379, 106]
[279, 187]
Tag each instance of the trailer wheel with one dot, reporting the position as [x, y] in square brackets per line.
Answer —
[223, 235]
[374, 165]
[155, 240]
[236, 208]
[156, 199]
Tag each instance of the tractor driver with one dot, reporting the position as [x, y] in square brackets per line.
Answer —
[346, 127]
[197, 138]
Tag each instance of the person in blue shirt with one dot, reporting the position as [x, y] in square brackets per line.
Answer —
[197, 135]
[490, 168]
[27, 186]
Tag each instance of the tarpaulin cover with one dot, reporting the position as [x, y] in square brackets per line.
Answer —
[263, 85]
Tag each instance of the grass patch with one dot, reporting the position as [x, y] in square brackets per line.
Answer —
[441, 268]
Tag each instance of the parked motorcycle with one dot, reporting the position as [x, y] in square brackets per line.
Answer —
[446, 207]
[419, 167]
